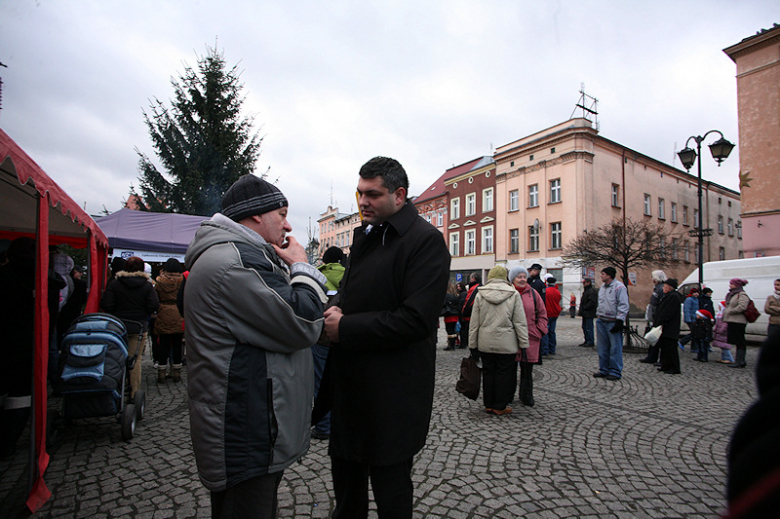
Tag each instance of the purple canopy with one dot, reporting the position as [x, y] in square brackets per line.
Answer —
[156, 232]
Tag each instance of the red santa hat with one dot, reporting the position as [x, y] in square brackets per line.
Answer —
[704, 313]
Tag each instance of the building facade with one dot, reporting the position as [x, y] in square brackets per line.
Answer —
[336, 229]
[557, 183]
[471, 231]
[758, 99]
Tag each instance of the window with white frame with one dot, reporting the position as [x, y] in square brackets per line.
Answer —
[615, 195]
[555, 235]
[514, 241]
[685, 215]
[647, 205]
[471, 204]
[674, 212]
[674, 248]
[661, 209]
[514, 200]
[687, 251]
[533, 239]
[533, 196]
[696, 219]
[439, 219]
[455, 244]
[487, 200]
[721, 253]
[739, 230]
[471, 242]
[662, 247]
[720, 224]
[487, 239]
[555, 191]
[455, 208]
[731, 227]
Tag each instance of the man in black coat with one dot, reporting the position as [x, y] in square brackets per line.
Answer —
[667, 315]
[383, 353]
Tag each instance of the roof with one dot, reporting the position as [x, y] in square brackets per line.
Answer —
[437, 189]
[143, 230]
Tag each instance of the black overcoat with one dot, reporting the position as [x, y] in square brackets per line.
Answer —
[382, 371]
[667, 314]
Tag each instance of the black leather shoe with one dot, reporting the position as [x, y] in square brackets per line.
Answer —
[612, 378]
[599, 374]
[647, 361]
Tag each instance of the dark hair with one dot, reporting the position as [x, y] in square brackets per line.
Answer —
[551, 281]
[22, 251]
[333, 255]
[117, 264]
[392, 173]
[476, 276]
[173, 266]
[134, 264]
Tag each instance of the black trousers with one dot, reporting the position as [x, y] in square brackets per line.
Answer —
[464, 333]
[252, 498]
[498, 379]
[392, 486]
[670, 358]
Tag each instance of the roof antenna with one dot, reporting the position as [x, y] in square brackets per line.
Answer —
[589, 106]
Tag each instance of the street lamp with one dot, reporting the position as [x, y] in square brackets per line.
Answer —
[720, 151]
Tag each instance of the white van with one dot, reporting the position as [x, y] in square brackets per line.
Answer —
[760, 273]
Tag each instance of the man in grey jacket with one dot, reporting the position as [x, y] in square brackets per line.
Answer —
[610, 316]
[253, 307]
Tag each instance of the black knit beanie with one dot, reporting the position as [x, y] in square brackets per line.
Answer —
[249, 196]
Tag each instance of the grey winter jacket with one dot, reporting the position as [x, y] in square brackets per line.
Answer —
[498, 322]
[250, 373]
[613, 301]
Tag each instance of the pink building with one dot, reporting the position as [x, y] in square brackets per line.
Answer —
[758, 100]
[557, 183]
[336, 229]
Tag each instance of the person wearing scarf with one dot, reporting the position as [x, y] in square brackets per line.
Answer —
[734, 314]
[772, 309]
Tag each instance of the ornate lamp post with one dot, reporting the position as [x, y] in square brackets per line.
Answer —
[720, 151]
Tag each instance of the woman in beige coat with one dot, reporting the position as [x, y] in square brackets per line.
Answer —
[498, 331]
[734, 315]
[772, 309]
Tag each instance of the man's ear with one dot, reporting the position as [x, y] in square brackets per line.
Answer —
[400, 196]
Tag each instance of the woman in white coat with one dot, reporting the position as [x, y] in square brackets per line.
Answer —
[498, 331]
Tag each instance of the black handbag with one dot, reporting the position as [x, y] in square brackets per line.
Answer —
[470, 377]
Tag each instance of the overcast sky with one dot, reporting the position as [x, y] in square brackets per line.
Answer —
[332, 84]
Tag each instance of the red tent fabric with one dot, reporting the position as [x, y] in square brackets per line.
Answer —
[34, 205]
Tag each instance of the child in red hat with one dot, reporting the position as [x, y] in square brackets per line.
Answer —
[702, 334]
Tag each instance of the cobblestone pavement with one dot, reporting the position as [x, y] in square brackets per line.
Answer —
[649, 445]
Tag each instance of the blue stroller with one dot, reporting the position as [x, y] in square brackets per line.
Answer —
[94, 366]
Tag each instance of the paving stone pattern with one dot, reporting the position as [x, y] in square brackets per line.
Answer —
[649, 445]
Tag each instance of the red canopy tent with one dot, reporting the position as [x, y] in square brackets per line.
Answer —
[33, 205]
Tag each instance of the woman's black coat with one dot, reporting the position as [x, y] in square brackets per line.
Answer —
[667, 314]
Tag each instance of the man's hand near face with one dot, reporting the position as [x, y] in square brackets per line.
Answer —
[291, 251]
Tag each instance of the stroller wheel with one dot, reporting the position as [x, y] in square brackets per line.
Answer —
[128, 422]
[139, 401]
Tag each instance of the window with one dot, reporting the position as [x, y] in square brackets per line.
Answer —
[698, 253]
[533, 196]
[687, 253]
[533, 239]
[555, 191]
[471, 242]
[674, 248]
[455, 244]
[720, 224]
[615, 195]
[739, 230]
[647, 205]
[428, 217]
[487, 240]
[685, 215]
[674, 212]
[514, 200]
[439, 219]
[471, 204]
[661, 209]
[455, 208]
[731, 227]
[487, 200]
[662, 247]
[555, 235]
[721, 254]
[741, 254]
[514, 241]
[695, 218]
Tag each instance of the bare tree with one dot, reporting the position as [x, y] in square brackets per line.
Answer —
[626, 245]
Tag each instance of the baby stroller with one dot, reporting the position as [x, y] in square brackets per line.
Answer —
[94, 365]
